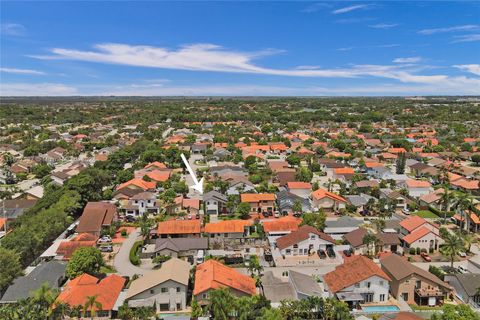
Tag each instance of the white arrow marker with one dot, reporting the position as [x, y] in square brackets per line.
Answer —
[198, 184]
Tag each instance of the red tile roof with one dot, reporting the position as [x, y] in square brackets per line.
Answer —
[214, 275]
[106, 290]
[300, 235]
[299, 185]
[356, 269]
[140, 183]
[287, 223]
[411, 183]
[156, 164]
[413, 223]
[417, 234]
[321, 193]
[179, 227]
[227, 226]
[257, 197]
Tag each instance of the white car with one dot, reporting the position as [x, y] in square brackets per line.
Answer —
[105, 239]
[462, 254]
[462, 269]
[406, 211]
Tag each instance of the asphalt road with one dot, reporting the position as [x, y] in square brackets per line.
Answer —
[122, 262]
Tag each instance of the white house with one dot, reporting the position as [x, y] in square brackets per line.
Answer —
[305, 241]
[418, 188]
[358, 281]
[323, 199]
[301, 189]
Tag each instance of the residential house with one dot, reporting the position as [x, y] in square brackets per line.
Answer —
[181, 204]
[107, 292]
[433, 199]
[300, 189]
[419, 233]
[412, 284]
[328, 201]
[286, 201]
[141, 204]
[240, 185]
[280, 227]
[466, 287]
[228, 229]
[179, 229]
[175, 247]
[12, 209]
[66, 248]
[138, 184]
[418, 188]
[154, 175]
[305, 241]
[297, 286]
[357, 281]
[215, 203]
[259, 202]
[386, 242]
[54, 156]
[165, 288]
[360, 201]
[337, 228]
[96, 216]
[212, 275]
[52, 273]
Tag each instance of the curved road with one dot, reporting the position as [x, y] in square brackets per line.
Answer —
[122, 262]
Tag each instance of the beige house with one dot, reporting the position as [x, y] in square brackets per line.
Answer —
[413, 284]
[328, 201]
[259, 202]
[165, 288]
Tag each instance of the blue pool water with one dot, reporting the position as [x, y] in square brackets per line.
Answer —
[380, 309]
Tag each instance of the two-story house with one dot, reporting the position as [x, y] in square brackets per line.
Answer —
[413, 284]
[215, 203]
[419, 233]
[165, 288]
[323, 199]
[259, 202]
[140, 204]
[358, 280]
[228, 229]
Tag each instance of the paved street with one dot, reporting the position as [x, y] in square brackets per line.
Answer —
[188, 179]
[122, 261]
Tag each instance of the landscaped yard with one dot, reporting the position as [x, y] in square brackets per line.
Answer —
[426, 214]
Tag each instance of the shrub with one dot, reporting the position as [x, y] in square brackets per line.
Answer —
[430, 250]
[436, 271]
[423, 250]
[418, 250]
[134, 259]
[412, 251]
[124, 233]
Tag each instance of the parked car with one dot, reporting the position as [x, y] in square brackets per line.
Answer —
[321, 254]
[462, 254]
[105, 239]
[277, 214]
[189, 216]
[297, 214]
[462, 269]
[106, 248]
[331, 252]
[130, 219]
[426, 257]
[406, 211]
[347, 252]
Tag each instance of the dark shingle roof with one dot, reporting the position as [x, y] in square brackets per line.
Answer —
[50, 272]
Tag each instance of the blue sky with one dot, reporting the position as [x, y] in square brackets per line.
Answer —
[240, 48]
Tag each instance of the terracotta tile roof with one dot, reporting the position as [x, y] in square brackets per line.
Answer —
[466, 184]
[107, 290]
[453, 176]
[257, 197]
[397, 150]
[2, 223]
[67, 248]
[321, 193]
[412, 223]
[214, 275]
[299, 235]
[278, 146]
[411, 183]
[227, 226]
[140, 183]
[299, 185]
[345, 170]
[356, 269]
[159, 176]
[95, 215]
[417, 234]
[191, 203]
[287, 223]
[179, 227]
[373, 164]
[386, 155]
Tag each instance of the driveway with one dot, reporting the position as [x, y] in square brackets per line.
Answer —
[192, 193]
[122, 262]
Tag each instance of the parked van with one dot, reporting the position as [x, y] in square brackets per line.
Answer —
[200, 256]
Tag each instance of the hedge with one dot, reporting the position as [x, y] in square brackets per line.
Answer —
[441, 213]
[134, 259]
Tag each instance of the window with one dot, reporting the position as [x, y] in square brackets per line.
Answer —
[178, 289]
[368, 284]
[152, 291]
[381, 282]
[418, 284]
[312, 237]
[204, 296]
[164, 290]
[288, 251]
[357, 285]
[179, 306]
[368, 297]
[164, 307]
[295, 246]
[405, 296]
[382, 297]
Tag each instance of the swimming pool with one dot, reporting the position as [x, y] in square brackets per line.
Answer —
[380, 309]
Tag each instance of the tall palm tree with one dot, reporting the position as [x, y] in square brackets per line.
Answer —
[446, 200]
[468, 240]
[45, 296]
[92, 305]
[463, 204]
[452, 247]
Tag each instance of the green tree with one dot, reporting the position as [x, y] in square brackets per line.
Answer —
[476, 159]
[369, 240]
[297, 207]
[10, 267]
[452, 246]
[84, 260]
[401, 162]
[243, 210]
[304, 175]
[41, 170]
[293, 160]
[456, 312]
[93, 305]
[314, 219]
[197, 310]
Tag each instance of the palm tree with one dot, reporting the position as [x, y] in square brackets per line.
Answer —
[452, 247]
[92, 304]
[380, 224]
[468, 240]
[368, 240]
[464, 203]
[45, 296]
[446, 200]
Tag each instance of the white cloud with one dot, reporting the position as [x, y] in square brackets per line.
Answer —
[467, 38]
[467, 27]
[21, 71]
[350, 8]
[472, 68]
[315, 7]
[36, 89]
[407, 60]
[12, 29]
[384, 25]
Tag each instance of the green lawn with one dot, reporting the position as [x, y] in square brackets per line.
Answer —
[426, 214]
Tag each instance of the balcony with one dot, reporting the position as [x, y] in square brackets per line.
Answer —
[425, 293]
